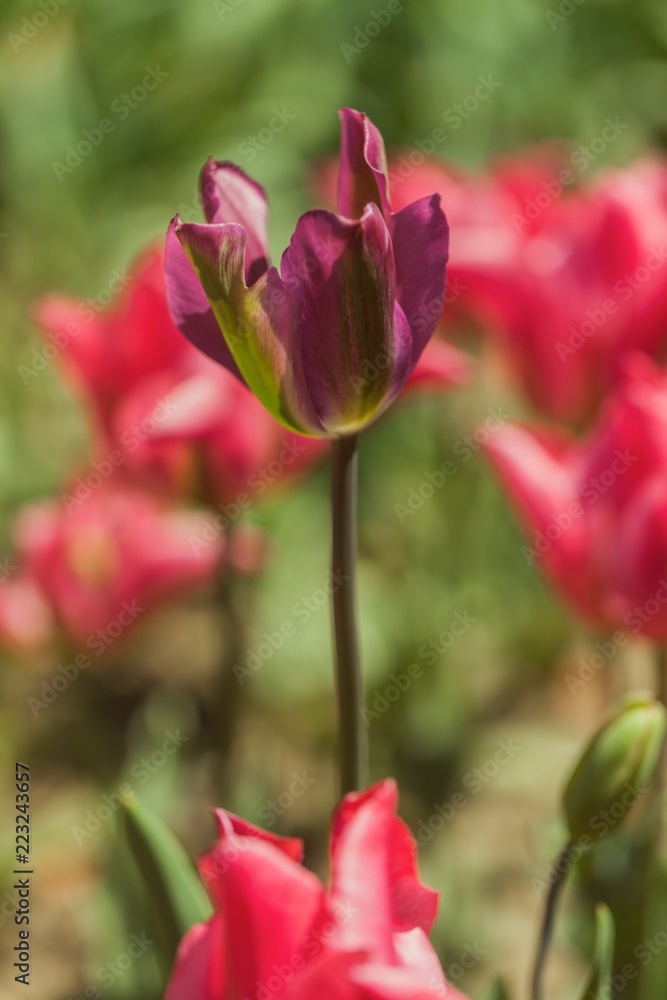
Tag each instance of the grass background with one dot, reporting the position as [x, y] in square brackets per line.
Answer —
[228, 67]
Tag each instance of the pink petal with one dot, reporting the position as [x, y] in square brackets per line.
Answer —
[420, 237]
[439, 366]
[199, 972]
[189, 305]
[355, 341]
[229, 195]
[374, 858]
[362, 176]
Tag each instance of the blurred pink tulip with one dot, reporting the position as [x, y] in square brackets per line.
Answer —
[101, 566]
[595, 511]
[568, 276]
[279, 932]
[26, 621]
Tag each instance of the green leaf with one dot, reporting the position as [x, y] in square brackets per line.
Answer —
[175, 895]
[498, 991]
[600, 976]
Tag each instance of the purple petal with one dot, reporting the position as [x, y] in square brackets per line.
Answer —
[420, 235]
[356, 343]
[229, 195]
[189, 306]
[259, 324]
[362, 172]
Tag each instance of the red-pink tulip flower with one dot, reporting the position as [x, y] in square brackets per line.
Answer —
[327, 342]
[569, 276]
[110, 348]
[170, 419]
[26, 620]
[595, 511]
[278, 932]
[101, 566]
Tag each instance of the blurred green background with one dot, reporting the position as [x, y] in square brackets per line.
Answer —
[227, 68]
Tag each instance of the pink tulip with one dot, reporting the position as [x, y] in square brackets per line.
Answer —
[103, 564]
[26, 620]
[569, 278]
[278, 932]
[595, 511]
[110, 349]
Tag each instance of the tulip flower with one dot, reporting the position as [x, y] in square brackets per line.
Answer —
[595, 510]
[174, 421]
[101, 566]
[326, 342]
[26, 621]
[566, 278]
[277, 931]
[615, 769]
[108, 346]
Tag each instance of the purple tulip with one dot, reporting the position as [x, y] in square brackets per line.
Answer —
[327, 341]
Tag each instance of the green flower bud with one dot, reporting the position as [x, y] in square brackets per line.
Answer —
[615, 768]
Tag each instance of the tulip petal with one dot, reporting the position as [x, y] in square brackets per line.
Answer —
[420, 236]
[374, 856]
[440, 365]
[199, 969]
[227, 822]
[189, 307]
[260, 325]
[355, 340]
[269, 904]
[362, 177]
[229, 195]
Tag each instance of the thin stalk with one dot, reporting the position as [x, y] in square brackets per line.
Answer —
[349, 689]
[548, 922]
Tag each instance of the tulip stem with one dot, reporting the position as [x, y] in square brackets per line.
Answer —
[349, 687]
[560, 869]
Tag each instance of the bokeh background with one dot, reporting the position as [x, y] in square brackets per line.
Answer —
[228, 67]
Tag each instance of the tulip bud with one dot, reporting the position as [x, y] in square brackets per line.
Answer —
[615, 768]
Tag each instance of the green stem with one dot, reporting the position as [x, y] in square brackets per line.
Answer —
[548, 922]
[231, 614]
[349, 689]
